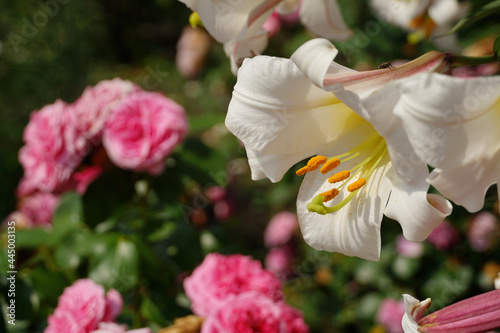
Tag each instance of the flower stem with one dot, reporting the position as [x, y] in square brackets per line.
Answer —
[457, 60]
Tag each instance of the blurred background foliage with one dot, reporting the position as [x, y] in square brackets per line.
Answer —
[142, 234]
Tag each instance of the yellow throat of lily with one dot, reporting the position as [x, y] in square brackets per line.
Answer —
[376, 149]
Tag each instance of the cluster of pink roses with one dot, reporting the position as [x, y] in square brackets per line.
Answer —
[137, 130]
[278, 238]
[235, 294]
[84, 307]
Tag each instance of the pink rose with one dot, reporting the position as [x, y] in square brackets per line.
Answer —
[482, 231]
[143, 130]
[390, 314]
[86, 304]
[40, 173]
[219, 277]
[279, 261]
[110, 328]
[280, 229]
[94, 106]
[39, 208]
[408, 249]
[215, 193]
[117, 328]
[53, 131]
[294, 322]
[444, 236]
[251, 312]
[64, 322]
[54, 148]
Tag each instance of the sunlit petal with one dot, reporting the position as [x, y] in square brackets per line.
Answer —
[276, 110]
[324, 18]
[454, 128]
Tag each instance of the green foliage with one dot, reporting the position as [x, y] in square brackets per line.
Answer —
[141, 234]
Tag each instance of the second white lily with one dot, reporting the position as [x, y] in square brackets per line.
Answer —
[238, 24]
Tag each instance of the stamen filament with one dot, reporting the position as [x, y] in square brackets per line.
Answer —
[377, 162]
[361, 147]
[317, 205]
[378, 149]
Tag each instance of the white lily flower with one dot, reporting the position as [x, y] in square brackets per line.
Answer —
[424, 18]
[282, 110]
[455, 130]
[238, 23]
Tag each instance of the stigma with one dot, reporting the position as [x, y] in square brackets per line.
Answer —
[348, 182]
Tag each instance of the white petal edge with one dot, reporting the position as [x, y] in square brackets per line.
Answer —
[324, 19]
[444, 12]
[314, 58]
[409, 324]
[417, 212]
[399, 12]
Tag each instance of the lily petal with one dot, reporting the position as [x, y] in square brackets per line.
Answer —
[454, 129]
[275, 110]
[324, 19]
[409, 203]
[287, 7]
[399, 12]
[444, 12]
[246, 48]
[315, 58]
[228, 21]
[418, 213]
[414, 311]
[353, 230]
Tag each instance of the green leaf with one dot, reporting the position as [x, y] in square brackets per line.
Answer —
[48, 285]
[31, 237]
[67, 216]
[163, 232]
[487, 10]
[496, 47]
[71, 251]
[150, 311]
[116, 265]
[204, 121]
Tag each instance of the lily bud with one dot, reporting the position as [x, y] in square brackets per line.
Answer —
[480, 313]
[433, 61]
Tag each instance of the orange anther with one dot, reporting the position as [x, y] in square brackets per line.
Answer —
[417, 22]
[330, 165]
[356, 185]
[302, 171]
[339, 176]
[330, 194]
[315, 162]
